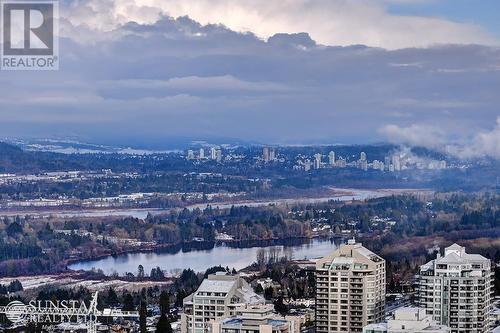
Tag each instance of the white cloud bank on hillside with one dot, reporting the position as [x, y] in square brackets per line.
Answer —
[482, 144]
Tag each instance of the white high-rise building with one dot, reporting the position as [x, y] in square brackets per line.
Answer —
[350, 289]
[202, 154]
[363, 164]
[217, 297]
[213, 153]
[317, 160]
[218, 155]
[190, 155]
[272, 154]
[362, 156]
[341, 163]
[265, 154]
[307, 165]
[456, 289]
[396, 162]
[387, 162]
[331, 158]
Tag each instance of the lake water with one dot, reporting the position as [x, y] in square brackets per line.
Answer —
[199, 257]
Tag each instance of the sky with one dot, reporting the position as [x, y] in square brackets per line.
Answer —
[149, 72]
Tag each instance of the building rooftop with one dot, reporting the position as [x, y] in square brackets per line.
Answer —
[221, 286]
[455, 255]
[237, 321]
[437, 327]
[410, 313]
[378, 327]
[349, 254]
[227, 286]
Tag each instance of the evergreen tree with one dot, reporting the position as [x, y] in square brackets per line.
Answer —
[128, 303]
[164, 303]
[279, 306]
[112, 298]
[163, 325]
[142, 317]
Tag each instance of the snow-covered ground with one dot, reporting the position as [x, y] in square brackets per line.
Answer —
[35, 282]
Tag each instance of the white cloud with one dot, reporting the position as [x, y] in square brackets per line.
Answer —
[483, 144]
[329, 22]
[415, 135]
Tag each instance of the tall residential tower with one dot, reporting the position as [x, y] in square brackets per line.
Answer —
[217, 297]
[456, 290]
[350, 289]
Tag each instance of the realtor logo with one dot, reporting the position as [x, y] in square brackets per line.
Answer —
[15, 311]
[29, 35]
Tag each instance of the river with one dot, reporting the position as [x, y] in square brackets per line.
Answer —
[199, 257]
[339, 194]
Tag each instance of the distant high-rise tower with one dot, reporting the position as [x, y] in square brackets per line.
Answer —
[272, 154]
[213, 153]
[218, 155]
[265, 154]
[307, 165]
[396, 162]
[341, 163]
[387, 162]
[456, 290]
[190, 155]
[317, 160]
[362, 156]
[350, 289]
[331, 158]
[202, 153]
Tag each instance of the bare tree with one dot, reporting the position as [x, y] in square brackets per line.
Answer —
[261, 258]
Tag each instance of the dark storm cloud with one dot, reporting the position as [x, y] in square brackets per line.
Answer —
[179, 78]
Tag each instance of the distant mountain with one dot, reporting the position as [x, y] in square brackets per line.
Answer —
[71, 146]
[12, 157]
[6, 148]
[15, 160]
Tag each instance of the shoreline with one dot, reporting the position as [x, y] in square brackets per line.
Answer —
[208, 246]
[217, 243]
[341, 194]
